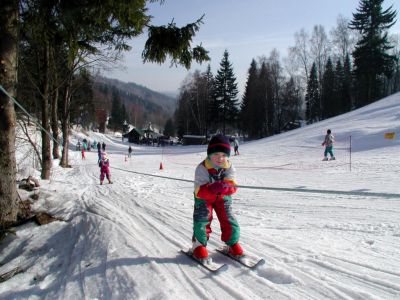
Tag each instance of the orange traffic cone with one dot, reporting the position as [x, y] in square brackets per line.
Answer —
[161, 166]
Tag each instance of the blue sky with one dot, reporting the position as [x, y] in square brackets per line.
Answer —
[247, 29]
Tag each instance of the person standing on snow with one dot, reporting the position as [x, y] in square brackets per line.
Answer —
[214, 184]
[99, 151]
[104, 165]
[236, 146]
[83, 153]
[83, 150]
[129, 151]
[328, 143]
[103, 146]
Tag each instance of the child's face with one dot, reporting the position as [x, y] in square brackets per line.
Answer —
[219, 158]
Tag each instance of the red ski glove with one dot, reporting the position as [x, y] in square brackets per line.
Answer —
[222, 188]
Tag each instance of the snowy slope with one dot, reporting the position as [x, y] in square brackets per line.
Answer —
[122, 241]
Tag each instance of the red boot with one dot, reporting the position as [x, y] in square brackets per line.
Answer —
[236, 250]
[199, 251]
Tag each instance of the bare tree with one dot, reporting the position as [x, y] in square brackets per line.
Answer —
[276, 77]
[82, 59]
[394, 81]
[54, 106]
[24, 126]
[343, 38]
[45, 91]
[301, 51]
[320, 49]
[8, 79]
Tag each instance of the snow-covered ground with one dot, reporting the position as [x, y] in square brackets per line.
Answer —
[122, 241]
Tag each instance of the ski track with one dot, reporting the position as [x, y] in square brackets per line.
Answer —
[140, 212]
[316, 246]
[125, 215]
[283, 276]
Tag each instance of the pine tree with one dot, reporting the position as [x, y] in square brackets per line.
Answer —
[328, 95]
[371, 58]
[82, 100]
[169, 129]
[225, 93]
[338, 88]
[116, 120]
[291, 104]
[343, 84]
[248, 105]
[312, 97]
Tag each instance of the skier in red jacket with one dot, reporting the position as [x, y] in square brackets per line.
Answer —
[214, 184]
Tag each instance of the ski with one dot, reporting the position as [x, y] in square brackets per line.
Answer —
[206, 263]
[247, 260]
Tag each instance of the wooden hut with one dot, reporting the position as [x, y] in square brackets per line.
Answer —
[134, 136]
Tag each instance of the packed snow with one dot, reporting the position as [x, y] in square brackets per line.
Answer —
[326, 229]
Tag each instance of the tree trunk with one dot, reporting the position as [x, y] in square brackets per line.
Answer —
[46, 149]
[64, 154]
[54, 108]
[65, 125]
[54, 124]
[8, 79]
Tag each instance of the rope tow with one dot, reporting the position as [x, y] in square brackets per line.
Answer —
[281, 189]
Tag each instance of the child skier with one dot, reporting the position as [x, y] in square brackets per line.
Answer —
[328, 143]
[129, 151]
[104, 165]
[83, 151]
[214, 184]
[236, 146]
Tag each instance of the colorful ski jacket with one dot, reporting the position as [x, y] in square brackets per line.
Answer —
[328, 141]
[206, 173]
[104, 165]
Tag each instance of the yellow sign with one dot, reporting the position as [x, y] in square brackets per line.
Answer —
[390, 135]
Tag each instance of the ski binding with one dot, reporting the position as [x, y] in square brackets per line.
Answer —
[247, 260]
[206, 263]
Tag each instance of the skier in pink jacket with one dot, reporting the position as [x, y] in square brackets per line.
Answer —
[104, 165]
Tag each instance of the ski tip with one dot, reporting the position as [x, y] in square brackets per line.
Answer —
[224, 267]
[260, 263]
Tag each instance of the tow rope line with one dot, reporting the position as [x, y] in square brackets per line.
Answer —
[282, 189]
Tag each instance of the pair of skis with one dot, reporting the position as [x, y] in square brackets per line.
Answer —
[247, 260]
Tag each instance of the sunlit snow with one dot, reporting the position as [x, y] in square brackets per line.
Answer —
[122, 241]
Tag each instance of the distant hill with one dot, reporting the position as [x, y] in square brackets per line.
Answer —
[172, 94]
[143, 104]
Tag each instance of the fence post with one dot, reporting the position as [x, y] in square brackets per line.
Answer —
[350, 153]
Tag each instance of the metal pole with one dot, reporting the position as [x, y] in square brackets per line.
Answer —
[350, 153]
